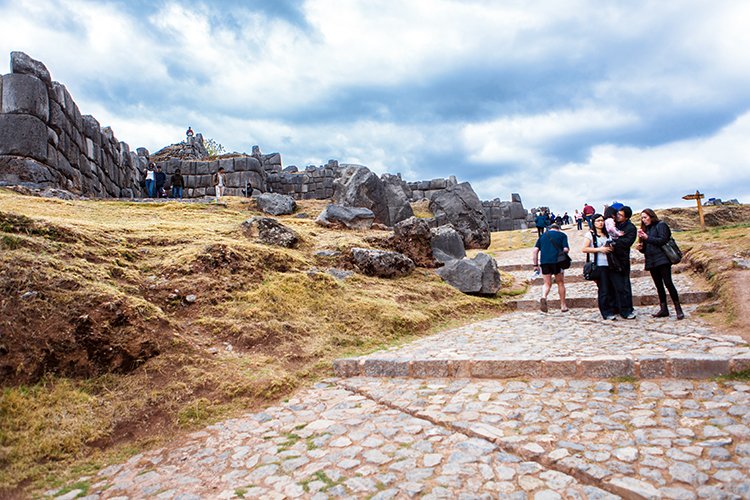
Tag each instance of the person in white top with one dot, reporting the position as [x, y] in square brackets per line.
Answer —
[606, 292]
[219, 183]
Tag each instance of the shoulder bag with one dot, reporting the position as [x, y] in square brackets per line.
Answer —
[563, 259]
[591, 270]
[670, 248]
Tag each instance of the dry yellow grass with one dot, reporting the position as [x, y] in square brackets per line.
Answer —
[264, 323]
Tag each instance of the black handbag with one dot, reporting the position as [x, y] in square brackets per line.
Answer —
[591, 270]
[673, 252]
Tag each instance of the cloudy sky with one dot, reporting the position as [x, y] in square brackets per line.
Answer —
[560, 101]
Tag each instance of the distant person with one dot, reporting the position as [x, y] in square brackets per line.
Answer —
[178, 183]
[620, 263]
[150, 176]
[559, 220]
[566, 218]
[547, 249]
[579, 219]
[189, 132]
[160, 179]
[652, 236]
[588, 211]
[219, 183]
[541, 223]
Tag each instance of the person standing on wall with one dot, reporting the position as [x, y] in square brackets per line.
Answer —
[547, 251]
[219, 183]
[620, 263]
[652, 236]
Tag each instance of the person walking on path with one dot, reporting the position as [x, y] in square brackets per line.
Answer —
[620, 263]
[579, 219]
[219, 183]
[178, 183]
[652, 235]
[547, 249]
[596, 242]
[541, 223]
[588, 211]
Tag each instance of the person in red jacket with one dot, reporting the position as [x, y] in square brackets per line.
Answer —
[588, 211]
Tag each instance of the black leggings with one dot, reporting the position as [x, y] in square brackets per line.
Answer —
[540, 230]
[662, 276]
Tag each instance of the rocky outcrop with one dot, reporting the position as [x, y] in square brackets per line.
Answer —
[381, 264]
[276, 204]
[447, 244]
[459, 206]
[271, 232]
[346, 217]
[476, 276]
[506, 215]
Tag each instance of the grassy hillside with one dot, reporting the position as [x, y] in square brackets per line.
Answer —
[101, 353]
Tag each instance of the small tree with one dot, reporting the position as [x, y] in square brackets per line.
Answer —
[214, 148]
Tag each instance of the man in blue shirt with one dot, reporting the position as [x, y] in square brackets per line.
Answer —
[547, 251]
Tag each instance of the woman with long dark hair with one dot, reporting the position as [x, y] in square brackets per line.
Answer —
[652, 235]
[599, 248]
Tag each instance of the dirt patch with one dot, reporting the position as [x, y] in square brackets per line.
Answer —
[684, 219]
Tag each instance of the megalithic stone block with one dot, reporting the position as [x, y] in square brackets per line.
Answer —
[21, 63]
[25, 94]
[23, 135]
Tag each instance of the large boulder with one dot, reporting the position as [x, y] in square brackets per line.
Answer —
[346, 217]
[459, 205]
[271, 232]
[276, 204]
[25, 94]
[23, 135]
[447, 244]
[397, 196]
[412, 238]
[380, 263]
[476, 276]
[357, 186]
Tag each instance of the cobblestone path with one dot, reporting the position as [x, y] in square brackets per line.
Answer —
[527, 405]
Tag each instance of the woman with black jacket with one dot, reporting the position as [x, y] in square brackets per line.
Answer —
[652, 235]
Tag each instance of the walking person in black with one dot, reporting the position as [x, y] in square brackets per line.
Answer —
[652, 235]
[620, 263]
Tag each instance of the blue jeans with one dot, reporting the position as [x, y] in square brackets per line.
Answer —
[150, 188]
[176, 192]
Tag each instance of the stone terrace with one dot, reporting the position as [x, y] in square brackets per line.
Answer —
[525, 405]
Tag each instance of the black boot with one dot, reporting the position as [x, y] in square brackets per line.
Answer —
[678, 309]
[663, 311]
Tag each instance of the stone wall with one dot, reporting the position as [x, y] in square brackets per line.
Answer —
[506, 215]
[46, 142]
[313, 183]
[240, 170]
[425, 189]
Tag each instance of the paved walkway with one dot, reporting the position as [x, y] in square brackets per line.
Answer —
[526, 405]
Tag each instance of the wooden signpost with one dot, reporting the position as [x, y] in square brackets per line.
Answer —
[697, 197]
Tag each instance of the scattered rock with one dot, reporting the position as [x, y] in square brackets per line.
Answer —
[30, 295]
[397, 196]
[327, 253]
[271, 232]
[190, 299]
[412, 238]
[478, 275]
[459, 205]
[447, 244]
[276, 204]
[346, 217]
[381, 263]
[339, 274]
[357, 186]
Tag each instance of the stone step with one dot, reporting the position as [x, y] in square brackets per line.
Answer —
[525, 304]
[679, 366]
[576, 264]
[577, 277]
